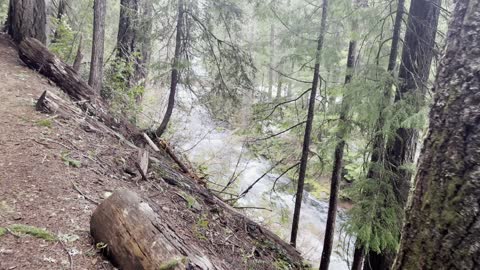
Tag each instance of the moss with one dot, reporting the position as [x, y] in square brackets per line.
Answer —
[171, 264]
[33, 231]
[45, 123]
[2, 231]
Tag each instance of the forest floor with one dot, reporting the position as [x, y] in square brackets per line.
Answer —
[53, 174]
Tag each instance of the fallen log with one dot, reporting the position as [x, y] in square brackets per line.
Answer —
[134, 237]
[39, 58]
[53, 104]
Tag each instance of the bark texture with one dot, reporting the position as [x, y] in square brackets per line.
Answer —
[96, 64]
[308, 126]
[137, 238]
[27, 18]
[442, 228]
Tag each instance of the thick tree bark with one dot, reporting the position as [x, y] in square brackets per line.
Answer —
[175, 76]
[136, 237]
[308, 127]
[442, 222]
[27, 18]
[338, 160]
[96, 66]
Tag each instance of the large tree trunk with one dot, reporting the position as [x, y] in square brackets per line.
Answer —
[175, 66]
[27, 18]
[308, 127]
[379, 144]
[442, 222]
[136, 238]
[96, 66]
[417, 56]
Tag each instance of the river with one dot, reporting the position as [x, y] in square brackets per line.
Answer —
[217, 149]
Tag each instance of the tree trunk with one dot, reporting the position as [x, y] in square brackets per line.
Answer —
[308, 127]
[96, 65]
[379, 143]
[27, 18]
[128, 226]
[61, 10]
[417, 54]
[134, 40]
[271, 65]
[338, 160]
[79, 56]
[441, 229]
[358, 258]
[175, 66]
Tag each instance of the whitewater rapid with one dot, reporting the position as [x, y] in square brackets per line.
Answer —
[217, 149]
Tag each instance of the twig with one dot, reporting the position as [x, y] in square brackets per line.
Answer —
[70, 259]
[84, 196]
[142, 173]
[279, 133]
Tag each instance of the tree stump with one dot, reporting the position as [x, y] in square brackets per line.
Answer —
[137, 239]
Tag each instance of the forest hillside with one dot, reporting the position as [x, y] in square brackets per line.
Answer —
[56, 169]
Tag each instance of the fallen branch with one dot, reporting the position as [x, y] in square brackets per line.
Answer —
[84, 196]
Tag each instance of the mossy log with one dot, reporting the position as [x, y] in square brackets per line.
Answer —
[135, 237]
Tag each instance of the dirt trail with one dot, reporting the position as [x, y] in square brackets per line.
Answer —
[36, 183]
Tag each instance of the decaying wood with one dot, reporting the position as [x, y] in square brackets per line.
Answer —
[177, 160]
[151, 143]
[136, 238]
[53, 104]
[142, 163]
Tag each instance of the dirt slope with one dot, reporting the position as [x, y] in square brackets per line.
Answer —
[46, 163]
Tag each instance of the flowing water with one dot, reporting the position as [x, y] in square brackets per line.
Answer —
[218, 149]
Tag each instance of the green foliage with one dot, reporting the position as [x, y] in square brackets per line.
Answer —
[171, 264]
[70, 161]
[2, 231]
[376, 215]
[63, 39]
[33, 231]
[45, 123]
[122, 96]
